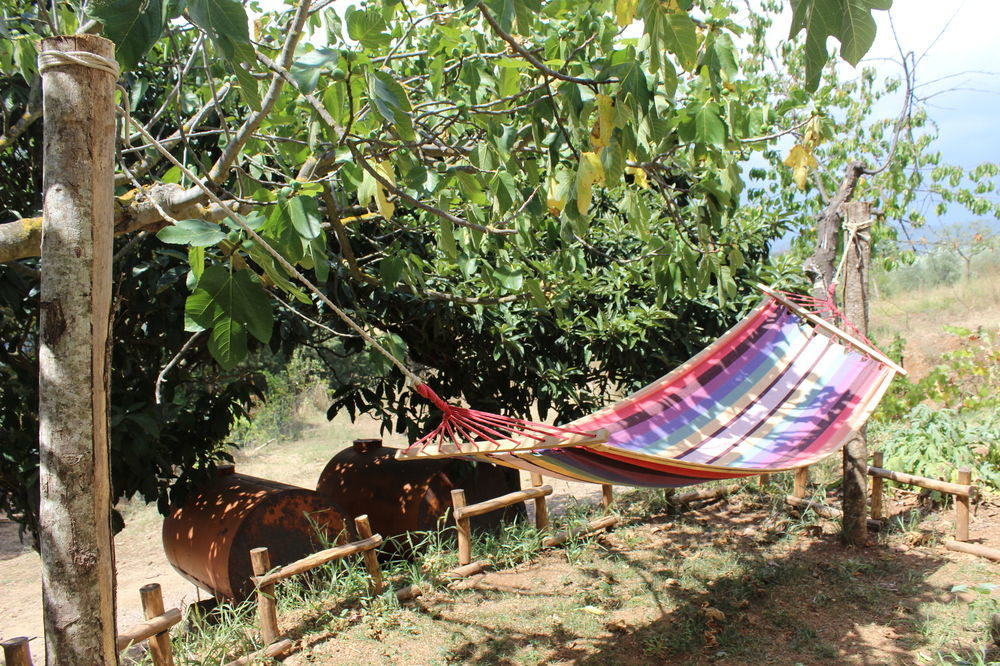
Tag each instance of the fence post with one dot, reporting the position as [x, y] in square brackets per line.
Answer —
[541, 509]
[16, 651]
[464, 528]
[267, 607]
[801, 483]
[607, 497]
[152, 605]
[371, 559]
[877, 461]
[962, 506]
[75, 539]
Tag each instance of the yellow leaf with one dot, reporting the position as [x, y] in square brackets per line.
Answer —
[556, 200]
[801, 159]
[593, 610]
[591, 172]
[600, 136]
[625, 12]
[639, 176]
[813, 135]
[385, 207]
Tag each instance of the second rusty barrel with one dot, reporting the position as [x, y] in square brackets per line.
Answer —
[405, 496]
[208, 538]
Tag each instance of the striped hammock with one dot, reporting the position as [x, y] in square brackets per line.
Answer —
[780, 390]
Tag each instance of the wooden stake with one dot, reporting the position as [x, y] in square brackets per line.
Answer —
[607, 497]
[152, 606]
[801, 484]
[464, 528]
[962, 506]
[857, 257]
[158, 624]
[16, 651]
[78, 580]
[371, 558]
[763, 479]
[877, 483]
[267, 607]
[541, 509]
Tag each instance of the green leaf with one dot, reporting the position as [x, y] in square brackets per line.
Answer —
[681, 38]
[133, 25]
[196, 260]
[510, 278]
[228, 342]
[367, 27]
[196, 233]
[226, 23]
[391, 103]
[316, 251]
[238, 295]
[850, 21]
[709, 129]
[446, 239]
[306, 70]
[249, 87]
[391, 268]
[305, 217]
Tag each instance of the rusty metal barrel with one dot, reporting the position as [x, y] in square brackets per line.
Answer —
[208, 538]
[404, 496]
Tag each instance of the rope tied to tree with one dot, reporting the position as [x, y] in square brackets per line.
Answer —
[827, 307]
[49, 59]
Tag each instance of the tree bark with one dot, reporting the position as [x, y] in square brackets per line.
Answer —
[820, 266]
[75, 510]
[857, 248]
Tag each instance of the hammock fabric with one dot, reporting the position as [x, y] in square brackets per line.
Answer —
[780, 390]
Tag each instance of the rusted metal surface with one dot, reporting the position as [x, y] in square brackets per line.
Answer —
[403, 496]
[208, 539]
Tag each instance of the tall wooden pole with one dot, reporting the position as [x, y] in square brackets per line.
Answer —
[78, 594]
[857, 250]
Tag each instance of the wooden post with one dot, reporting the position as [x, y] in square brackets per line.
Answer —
[962, 507]
[857, 256]
[541, 509]
[607, 497]
[152, 606]
[763, 480]
[78, 579]
[371, 558]
[267, 607]
[801, 484]
[16, 651]
[877, 483]
[463, 527]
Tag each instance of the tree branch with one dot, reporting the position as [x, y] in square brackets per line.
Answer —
[530, 57]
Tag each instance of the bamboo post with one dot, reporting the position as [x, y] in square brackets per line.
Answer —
[962, 507]
[607, 497]
[78, 579]
[857, 257]
[16, 651]
[267, 607]
[877, 483]
[464, 528]
[801, 484]
[541, 509]
[152, 606]
[371, 559]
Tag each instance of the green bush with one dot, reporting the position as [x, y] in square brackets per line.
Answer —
[936, 442]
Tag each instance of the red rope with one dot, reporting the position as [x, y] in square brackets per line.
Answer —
[461, 424]
[826, 308]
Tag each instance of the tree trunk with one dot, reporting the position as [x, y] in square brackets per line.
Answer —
[857, 247]
[75, 510]
[820, 266]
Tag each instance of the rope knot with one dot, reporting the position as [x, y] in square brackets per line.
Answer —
[427, 392]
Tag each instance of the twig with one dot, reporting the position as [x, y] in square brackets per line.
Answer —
[169, 366]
